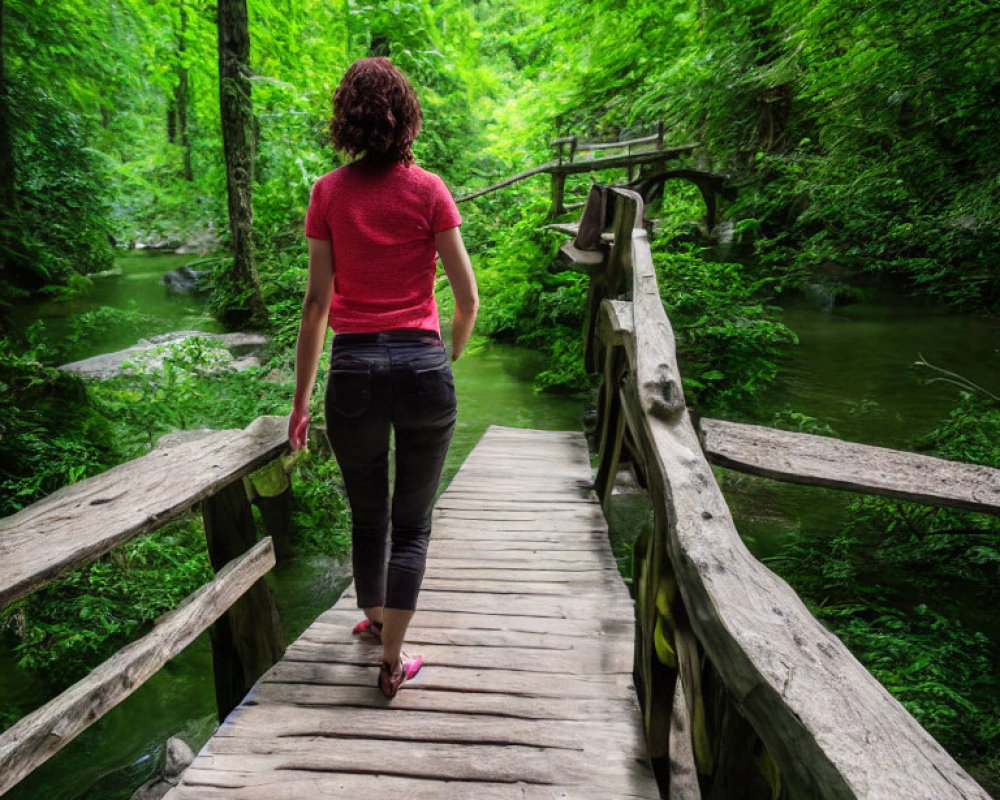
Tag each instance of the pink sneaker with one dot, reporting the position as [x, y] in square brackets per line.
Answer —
[390, 678]
[368, 630]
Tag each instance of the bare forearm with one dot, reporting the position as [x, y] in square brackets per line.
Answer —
[312, 334]
[461, 330]
[458, 268]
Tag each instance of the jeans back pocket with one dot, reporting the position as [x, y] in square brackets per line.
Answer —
[349, 391]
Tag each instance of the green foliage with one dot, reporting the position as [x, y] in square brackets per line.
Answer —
[57, 227]
[863, 581]
[70, 626]
[728, 336]
[527, 298]
[184, 386]
[96, 325]
[321, 517]
[50, 434]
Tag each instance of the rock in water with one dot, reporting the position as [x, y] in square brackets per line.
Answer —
[178, 756]
[110, 364]
[185, 280]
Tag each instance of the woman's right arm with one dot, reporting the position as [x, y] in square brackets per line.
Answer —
[458, 268]
[312, 334]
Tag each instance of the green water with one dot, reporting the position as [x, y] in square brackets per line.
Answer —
[134, 288]
[854, 370]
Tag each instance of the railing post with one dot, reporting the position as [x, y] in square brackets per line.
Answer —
[248, 639]
[558, 190]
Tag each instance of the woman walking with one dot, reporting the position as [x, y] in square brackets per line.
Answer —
[374, 227]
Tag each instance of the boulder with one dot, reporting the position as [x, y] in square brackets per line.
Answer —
[186, 280]
[148, 352]
[176, 759]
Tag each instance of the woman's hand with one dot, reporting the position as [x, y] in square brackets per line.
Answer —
[298, 429]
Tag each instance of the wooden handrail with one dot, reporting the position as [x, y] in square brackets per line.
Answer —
[582, 146]
[33, 740]
[729, 662]
[80, 522]
[76, 525]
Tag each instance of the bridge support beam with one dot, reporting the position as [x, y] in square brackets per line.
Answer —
[558, 191]
[248, 639]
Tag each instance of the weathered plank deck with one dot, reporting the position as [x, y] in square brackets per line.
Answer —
[527, 634]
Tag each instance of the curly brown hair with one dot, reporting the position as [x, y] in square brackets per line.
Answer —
[376, 112]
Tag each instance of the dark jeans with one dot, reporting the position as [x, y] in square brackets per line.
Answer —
[398, 380]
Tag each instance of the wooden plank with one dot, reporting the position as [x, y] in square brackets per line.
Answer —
[587, 658]
[81, 522]
[249, 638]
[447, 688]
[614, 162]
[493, 763]
[289, 721]
[41, 734]
[430, 618]
[824, 461]
[292, 785]
[339, 632]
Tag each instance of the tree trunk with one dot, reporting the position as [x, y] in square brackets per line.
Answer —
[7, 197]
[238, 286]
[181, 94]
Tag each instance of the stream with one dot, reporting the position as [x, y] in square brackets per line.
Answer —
[853, 370]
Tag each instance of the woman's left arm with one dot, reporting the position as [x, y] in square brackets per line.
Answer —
[312, 334]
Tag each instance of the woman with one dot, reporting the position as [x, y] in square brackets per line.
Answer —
[373, 228]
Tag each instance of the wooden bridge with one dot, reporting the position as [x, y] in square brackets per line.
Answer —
[646, 155]
[531, 639]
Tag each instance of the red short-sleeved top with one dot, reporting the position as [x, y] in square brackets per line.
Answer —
[381, 222]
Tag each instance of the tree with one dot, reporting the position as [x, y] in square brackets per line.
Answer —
[177, 110]
[238, 287]
[6, 146]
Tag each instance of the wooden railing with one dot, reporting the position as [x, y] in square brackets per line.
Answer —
[744, 693]
[76, 525]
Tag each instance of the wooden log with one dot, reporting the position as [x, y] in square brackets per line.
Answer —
[613, 162]
[824, 461]
[41, 734]
[736, 775]
[592, 146]
[657, 375]
[611, 428]
[81, 522]
[248, 639]
[276, 516]
[831, 728]
[520, 176]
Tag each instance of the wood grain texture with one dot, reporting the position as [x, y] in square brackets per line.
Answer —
[81, 522]
[832, 729]
[38, 736]
[825, 461]
[526, 690]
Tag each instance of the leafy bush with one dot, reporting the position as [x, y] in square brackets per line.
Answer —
[70, 626]
[58, 226]
[864, 579]
[50, 432]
